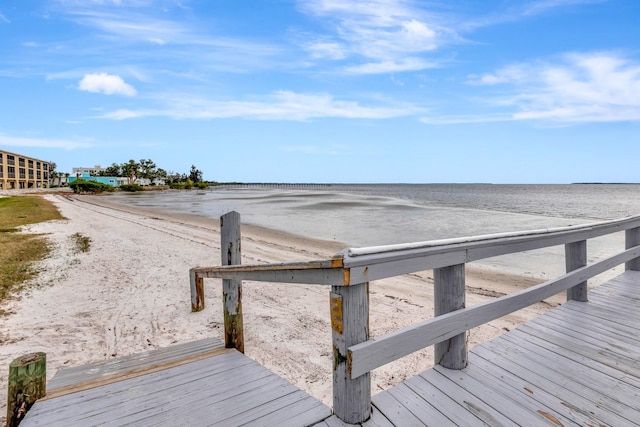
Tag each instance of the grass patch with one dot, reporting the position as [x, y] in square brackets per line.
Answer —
[81, 243]
[19, 251]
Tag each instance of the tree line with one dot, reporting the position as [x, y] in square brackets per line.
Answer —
[147, 169]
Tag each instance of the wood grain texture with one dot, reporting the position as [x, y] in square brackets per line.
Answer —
[576, 365]
[227, 389]
[576, 257]
[230, 248]
[449, 296]
[350, 308]
[27, 383]
[197, 291]
[632, 238]
[386, 348]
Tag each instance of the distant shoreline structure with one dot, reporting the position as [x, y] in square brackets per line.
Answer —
[337, 184]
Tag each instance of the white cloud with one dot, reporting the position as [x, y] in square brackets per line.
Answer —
[12, 141]
[518, 11]
[405, 64]
[106, 83]
[581, 87]
[282, 105]
[510, 74]
[4, 19]
[327, 49]
[389, 35]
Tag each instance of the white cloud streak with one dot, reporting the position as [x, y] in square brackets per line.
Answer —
[518, 11]
[12, 141]
[384, 35]
[107, 84]
[282, 105]
[4, 19]
[582, 87]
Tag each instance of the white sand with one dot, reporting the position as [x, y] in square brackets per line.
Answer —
[130, 292]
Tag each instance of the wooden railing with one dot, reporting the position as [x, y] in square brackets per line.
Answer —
[350, 271]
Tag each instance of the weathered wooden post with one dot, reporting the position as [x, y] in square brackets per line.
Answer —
[449, 295]
[232, 288]
[350, 326]
[27, 383]
[632, 238]
[197, 291]
[575, 257]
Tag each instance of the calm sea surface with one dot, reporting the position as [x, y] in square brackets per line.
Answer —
[378, 214]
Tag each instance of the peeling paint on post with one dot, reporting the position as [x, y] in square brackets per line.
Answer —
[197, 291]
[27, 383]
[350, 325]
[336, 314]
[231, 289]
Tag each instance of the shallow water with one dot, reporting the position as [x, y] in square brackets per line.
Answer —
[377, 214]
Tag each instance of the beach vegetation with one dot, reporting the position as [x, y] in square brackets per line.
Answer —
[195, 175]
[147, 169]
[81, 186]
[132, 170]
[187, 184]
[131, 187]
[18, 251]
[81, 243]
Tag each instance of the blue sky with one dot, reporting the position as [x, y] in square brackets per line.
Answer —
[501, 91]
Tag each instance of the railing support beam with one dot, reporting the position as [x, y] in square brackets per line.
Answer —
[232, 288]
[632, 238]
[449, 295]
[350, 326]
[576, 257]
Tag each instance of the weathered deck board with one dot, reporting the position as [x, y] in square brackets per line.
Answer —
[73, 375]
[577, 365]
[211, 388]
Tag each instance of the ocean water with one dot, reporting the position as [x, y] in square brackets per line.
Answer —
[379, 214]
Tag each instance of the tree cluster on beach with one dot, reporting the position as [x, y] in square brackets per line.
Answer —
[184, 181]
[147, 169]
[132, 170]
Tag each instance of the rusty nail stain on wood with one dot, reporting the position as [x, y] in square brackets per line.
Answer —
[336, 314]
[550, 418]
[528, 390]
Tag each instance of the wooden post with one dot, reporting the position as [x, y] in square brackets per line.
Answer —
[632, 238]
[27, 383]
[231, 288]
[576, 257]
[350, 326]
[197, 291]
[449, 295]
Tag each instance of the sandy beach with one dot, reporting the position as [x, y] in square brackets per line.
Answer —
[130, 293]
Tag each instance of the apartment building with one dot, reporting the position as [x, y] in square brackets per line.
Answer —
[22, 172]
[80, 171]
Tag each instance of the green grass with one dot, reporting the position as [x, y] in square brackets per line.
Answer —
[19, 251]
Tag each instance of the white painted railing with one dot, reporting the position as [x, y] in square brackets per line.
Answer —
[350, 271]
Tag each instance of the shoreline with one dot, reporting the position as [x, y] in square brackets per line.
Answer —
[130, 293]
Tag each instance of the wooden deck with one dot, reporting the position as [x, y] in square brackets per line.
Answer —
[576, 365]
[194, 384]
[579, 364]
